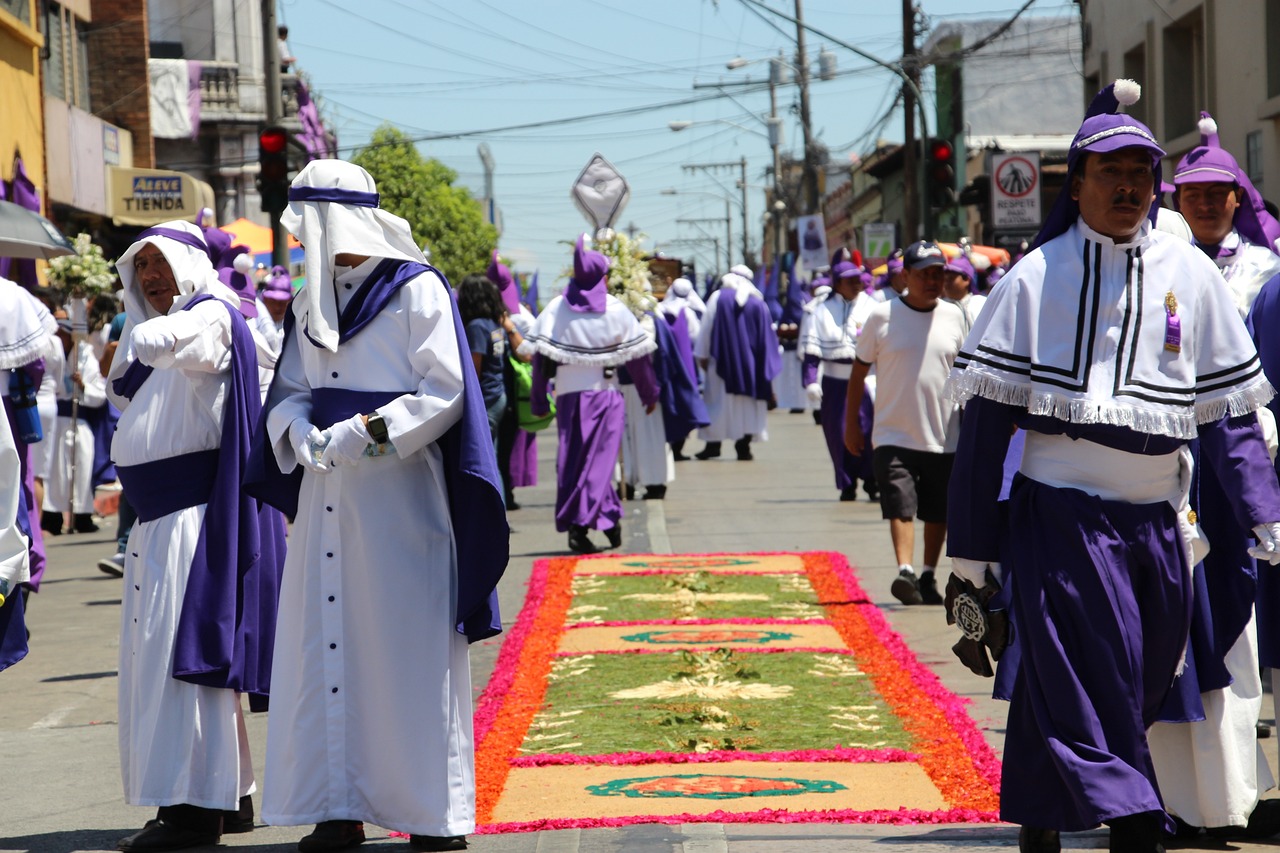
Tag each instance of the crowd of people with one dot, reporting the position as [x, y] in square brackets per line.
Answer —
[1074, 430]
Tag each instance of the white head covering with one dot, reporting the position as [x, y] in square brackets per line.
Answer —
[25, 325]
[191, 267]
[740, 284]
[744, 271]
[680, 294]
[333, 209]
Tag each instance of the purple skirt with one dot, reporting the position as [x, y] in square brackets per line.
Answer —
[590, 425]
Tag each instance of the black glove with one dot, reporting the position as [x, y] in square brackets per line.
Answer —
[984, 630]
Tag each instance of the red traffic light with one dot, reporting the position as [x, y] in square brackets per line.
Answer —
[941, 151]
[273, 140]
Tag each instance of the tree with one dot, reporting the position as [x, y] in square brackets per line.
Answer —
[421, 189]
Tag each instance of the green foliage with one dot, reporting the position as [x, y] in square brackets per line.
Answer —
[421, 189]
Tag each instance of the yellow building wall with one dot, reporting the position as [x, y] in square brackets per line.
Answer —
[21, 101]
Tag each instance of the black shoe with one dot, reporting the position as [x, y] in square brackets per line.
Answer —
[849, 493]
[906, 587]
[331, 835]
[175, 828]
[437, 842]
[743, 447]
[1264, 730]
[1136, 833]
[928, 587]
[239, 820]
[84, 523]
[796, 411]
[1034, 840]
[51, 522]
[511, 502]
[817, 416]
[614, 535]
[578, 541]
[873, 494]
[1264, 822]
[679, 457]
[655, 493]
[711, 451]
[629, 492]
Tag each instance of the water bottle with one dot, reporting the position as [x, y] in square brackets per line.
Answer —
[26, 417]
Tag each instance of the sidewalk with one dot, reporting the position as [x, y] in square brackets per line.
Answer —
[61, 790]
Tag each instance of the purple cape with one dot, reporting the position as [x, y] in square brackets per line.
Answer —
[682, 406]
[226, 630]
[474, 485]
[745, 347]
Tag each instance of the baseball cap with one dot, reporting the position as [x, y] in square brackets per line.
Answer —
[923, 253]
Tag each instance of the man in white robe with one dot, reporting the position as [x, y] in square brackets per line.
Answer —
[392, 565]
[738, 349]
[199, 600]
[70, 479]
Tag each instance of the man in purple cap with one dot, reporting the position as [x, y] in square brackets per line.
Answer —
[581, 339]
[1111, 345]
[911, 342]
[961, 288]
[828, 335]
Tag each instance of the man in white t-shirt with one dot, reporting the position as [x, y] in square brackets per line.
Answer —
[912, 343]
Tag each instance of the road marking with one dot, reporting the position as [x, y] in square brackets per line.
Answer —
[558, 841]
[52, 720]
[659, 541]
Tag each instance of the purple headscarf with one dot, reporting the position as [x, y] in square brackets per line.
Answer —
[500, 274]
[1209, 162]
[1103, 130]
[587, 289]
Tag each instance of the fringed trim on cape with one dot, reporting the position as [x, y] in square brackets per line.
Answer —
[1241, 401]
[25, 351]
[612, 356]
[843, 352]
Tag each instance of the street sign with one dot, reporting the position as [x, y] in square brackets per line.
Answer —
[1015, 191]
[878, 241]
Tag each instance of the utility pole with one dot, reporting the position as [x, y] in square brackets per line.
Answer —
[802, 79]
[910, 170]
[775, 141]
[742, 165]
[274, 107]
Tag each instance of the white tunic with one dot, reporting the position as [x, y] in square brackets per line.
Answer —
[371, 693]
[732, 416]
[179, 742]
[71, 444]
[41, 453]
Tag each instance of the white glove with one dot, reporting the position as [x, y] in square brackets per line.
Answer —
[975, 571]
[150, 340]
[1268, 547]
[814, 393]
[347, 442]
[307, 441]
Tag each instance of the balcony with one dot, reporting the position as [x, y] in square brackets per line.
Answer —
[220, 95]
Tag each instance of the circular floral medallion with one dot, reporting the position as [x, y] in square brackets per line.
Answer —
[712, 786]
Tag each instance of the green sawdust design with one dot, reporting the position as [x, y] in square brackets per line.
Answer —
[693, 595]
[718, 700]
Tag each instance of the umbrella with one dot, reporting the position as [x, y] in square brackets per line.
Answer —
[25, 234]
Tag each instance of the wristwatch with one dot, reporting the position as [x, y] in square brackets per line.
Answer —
[378, 429]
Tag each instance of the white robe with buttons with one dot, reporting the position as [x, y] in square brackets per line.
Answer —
[371, 693]
[179, 742]
[71, 445]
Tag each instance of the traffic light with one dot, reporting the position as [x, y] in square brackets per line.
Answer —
[273, 168]
[940, 173]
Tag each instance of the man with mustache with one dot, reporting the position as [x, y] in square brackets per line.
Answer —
[1112, 345]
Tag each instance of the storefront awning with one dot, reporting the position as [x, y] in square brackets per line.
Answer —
[151, 196]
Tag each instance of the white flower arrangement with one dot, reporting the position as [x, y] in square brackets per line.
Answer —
[628, 271]
[86, 273]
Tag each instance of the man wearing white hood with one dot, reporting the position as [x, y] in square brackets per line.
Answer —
[375, 437]
[738, 349]
[200, 579]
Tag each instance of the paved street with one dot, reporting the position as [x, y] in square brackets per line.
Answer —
[61, 779]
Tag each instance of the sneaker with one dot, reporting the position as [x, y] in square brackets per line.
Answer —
[928, 586]
[906, 587]
[113, 565]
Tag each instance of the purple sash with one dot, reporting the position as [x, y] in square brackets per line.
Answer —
[226, 630]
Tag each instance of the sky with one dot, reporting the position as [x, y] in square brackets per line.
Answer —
[548, 84]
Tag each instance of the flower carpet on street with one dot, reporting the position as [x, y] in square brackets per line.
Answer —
[718, 687]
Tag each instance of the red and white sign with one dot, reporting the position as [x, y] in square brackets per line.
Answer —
[1015, 190]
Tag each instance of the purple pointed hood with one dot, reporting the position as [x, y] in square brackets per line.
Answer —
[587, 289]
[279, 285]
[234, 275]
[844, 264]
[1209, 162]
[500, 274]
[1104, 129]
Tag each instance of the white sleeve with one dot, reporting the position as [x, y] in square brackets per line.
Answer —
[203, 338]
[14, 559]
[95, 384]
[289, 400]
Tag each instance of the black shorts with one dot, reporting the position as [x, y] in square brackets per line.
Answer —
[913, 483]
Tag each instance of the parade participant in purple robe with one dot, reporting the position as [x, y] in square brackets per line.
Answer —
[828, 338]
[200, 578]
[517, 448]
[682, 406]
[738, 348]
[377, 420]
[581, 338]
[1111, 345]
[1205, 748]
[788, 387]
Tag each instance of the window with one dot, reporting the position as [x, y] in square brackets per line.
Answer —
[66, 55]
[1135, 68]
[20, 9]
[55, 76]
[1272, 33]
[1184, 73]
[1253, 157]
